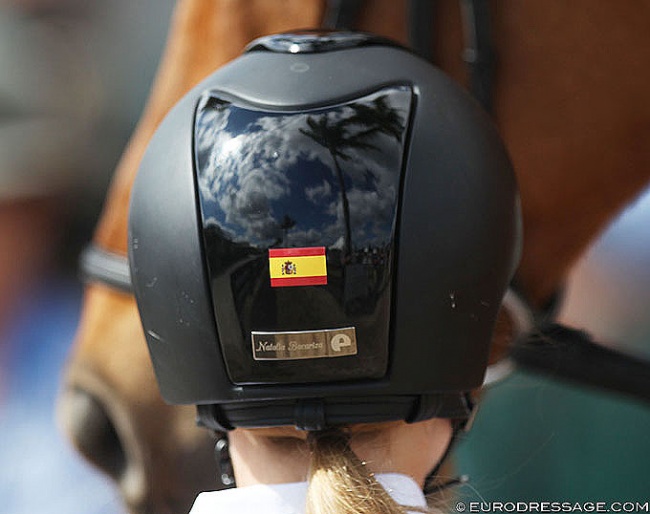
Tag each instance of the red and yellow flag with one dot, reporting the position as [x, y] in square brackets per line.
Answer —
[298, 266]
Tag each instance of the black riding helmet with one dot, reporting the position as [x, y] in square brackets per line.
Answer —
[321, 233]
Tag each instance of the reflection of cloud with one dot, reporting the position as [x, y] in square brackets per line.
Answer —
[213, 223]
[374, 206]
[256, 167]
[242, 176]
[319, 193]
[339, 244]
[311, 237]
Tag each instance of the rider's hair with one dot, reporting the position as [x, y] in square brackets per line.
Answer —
[340, 483]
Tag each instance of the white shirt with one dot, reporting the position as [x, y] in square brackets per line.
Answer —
[290, 498]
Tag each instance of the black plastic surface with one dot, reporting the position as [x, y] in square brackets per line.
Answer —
[327, 176]
[457, 232]
[316, 41]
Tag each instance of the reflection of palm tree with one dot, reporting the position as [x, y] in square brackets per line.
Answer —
[369, 119]
[379, 117]
[287, 223]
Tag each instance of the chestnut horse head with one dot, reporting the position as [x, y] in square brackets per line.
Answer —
[570, 100]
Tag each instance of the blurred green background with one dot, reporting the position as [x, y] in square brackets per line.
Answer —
[536, 438]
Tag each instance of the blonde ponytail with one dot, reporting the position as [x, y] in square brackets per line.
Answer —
[339, 483]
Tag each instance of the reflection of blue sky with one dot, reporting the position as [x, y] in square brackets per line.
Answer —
[258, 167]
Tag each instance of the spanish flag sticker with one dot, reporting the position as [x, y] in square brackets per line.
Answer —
[298, 266]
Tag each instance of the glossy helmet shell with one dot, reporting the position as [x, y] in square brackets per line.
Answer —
[321, 233]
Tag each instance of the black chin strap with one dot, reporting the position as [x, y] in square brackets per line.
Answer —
[225, 471]
[432, 483]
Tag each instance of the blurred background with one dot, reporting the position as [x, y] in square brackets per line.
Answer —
[74, 76]
[537, 438]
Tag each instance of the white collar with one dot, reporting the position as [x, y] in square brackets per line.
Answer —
[290, 498]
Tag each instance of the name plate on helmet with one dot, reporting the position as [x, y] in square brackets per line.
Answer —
[308, 344]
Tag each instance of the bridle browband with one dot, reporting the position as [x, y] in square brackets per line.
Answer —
[107, 268]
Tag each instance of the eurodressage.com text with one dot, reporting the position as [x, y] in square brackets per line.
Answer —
[553, 506]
